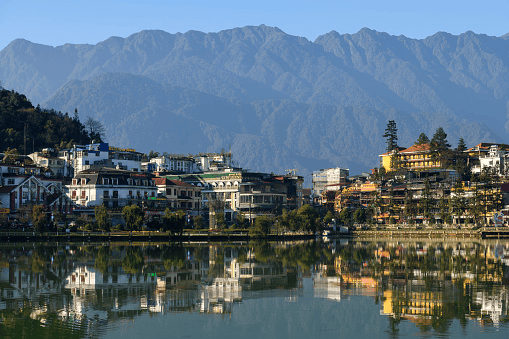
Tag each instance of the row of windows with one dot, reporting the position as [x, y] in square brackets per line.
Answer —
[177, 192]
[114, 181]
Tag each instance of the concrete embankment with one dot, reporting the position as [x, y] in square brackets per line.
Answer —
[141, 237]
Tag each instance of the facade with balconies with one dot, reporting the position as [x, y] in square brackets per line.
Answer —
[112, 188]
[234, 190]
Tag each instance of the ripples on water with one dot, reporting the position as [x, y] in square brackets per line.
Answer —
[355, 289]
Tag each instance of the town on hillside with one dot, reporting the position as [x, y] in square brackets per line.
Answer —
[97, 186]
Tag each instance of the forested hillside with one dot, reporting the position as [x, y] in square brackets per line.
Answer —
[22, 125]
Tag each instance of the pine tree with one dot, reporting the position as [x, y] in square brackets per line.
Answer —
[461, 161]
[422, 140]
[391, 135]
[439, 148]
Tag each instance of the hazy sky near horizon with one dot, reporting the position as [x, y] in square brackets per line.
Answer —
[56, 22]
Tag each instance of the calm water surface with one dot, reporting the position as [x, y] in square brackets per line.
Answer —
[337, 289]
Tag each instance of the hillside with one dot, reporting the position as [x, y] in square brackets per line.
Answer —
[22, 125]
[279, 101]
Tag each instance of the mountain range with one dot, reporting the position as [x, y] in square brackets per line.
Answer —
[277, 101]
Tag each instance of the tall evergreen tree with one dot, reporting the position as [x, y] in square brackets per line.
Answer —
[422, 140]
[439, 148]
[391, 134]
[461, 164]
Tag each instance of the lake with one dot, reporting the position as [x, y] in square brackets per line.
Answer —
[335, 289]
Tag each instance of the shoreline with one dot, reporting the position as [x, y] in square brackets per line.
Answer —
[145, 236]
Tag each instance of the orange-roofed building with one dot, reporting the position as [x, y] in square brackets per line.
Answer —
[416, 157]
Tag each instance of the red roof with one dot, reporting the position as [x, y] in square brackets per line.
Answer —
[160, 181]
[417, 148]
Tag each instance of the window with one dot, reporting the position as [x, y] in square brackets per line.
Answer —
[83, 181]
[10, 181]
[115, 194]
[97, 154]
[74, 193]
[74, 181]
[87, 162]
[106, 181]
[83, 194]
[106, 194]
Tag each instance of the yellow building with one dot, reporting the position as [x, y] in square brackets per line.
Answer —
[416, 157]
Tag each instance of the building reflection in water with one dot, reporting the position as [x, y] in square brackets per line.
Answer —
[426, 283]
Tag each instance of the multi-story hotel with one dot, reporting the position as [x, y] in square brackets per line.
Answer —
[416, 157]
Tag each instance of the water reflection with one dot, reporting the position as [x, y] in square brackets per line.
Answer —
[417, 287]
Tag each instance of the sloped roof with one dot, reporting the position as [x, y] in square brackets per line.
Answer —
[417, 148]
[181, 183]
[8, 188]
[161, 181]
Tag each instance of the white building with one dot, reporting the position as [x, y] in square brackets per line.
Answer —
[211, 162]
[327, 177]
[112, 188]
[496, 159]
[99, 155]
[175, 163]
[56, 163]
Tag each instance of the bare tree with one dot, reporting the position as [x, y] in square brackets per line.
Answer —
[95, 129]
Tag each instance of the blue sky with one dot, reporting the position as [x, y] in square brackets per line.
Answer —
[56, 22]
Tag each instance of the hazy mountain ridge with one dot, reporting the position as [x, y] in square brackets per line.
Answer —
[280, 101]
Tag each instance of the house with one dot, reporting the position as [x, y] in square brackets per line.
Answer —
[30, 190]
